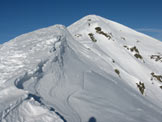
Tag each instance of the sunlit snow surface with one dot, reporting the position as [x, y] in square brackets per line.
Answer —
[60, 74]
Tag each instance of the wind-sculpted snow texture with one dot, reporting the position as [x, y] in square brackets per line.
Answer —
[60, 74]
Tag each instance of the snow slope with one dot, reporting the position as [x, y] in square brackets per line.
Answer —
[94, 70]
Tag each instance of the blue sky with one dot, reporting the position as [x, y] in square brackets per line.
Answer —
[22, 16]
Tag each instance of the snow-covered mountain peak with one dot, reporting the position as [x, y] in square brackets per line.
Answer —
[40, 34]
[25, 51]
[92, 21]
[93, 70]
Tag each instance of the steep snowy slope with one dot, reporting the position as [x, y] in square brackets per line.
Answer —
[135, 55]
[94, 70]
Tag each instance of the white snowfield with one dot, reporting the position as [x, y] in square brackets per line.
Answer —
[95, 70]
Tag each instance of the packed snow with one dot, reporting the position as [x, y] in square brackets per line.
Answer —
[95, 70]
